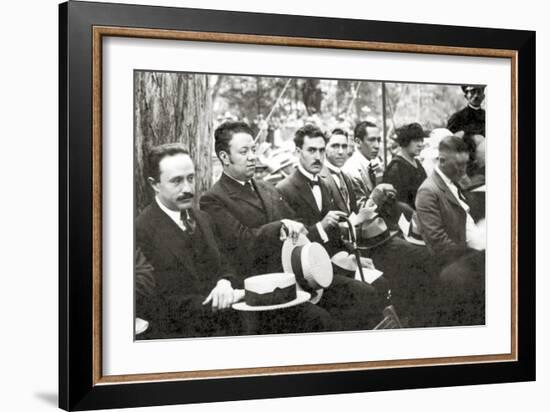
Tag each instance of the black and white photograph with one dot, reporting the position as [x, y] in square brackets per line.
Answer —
[295, 205]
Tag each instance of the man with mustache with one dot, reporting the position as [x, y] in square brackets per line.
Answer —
[355, 304]
[251, 220]
[365, 166]
[192, 285]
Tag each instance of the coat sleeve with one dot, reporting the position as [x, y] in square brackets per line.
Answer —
[432, 227]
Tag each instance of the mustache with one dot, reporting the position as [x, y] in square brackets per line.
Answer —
[317, 163]
[186, 196]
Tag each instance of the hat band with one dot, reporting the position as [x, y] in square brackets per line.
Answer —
[276, 297]
[376, 239]
[296, 263]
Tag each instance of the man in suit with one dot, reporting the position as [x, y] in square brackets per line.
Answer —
[251, 220]
[470, 119]
[452, 236]
[339, 183]
[192, 286]
[356, 304]
[365, 166]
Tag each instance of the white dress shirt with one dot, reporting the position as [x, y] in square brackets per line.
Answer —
[172, 214]
[473, 235]
[317, 194]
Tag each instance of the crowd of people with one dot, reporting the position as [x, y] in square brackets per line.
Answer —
[197, 268]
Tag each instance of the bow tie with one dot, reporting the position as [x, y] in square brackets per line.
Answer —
[314, 183]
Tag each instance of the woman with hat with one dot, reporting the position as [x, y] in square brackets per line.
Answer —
[405, 172]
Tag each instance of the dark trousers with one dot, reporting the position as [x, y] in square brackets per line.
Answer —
[461, 291]
[355, 304]
[412, 276]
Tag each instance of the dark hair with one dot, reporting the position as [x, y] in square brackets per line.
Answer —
[408, 133]
[339, 131]
[453, 144]
[224, 133]
[309, 130]
[157, 153]
[360, 131]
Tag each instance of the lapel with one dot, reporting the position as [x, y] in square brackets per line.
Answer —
[267, 199]
[239, 193]
[301, 184]
[363, 172]
[349, 186]
[445, 189]
[173, 238]
[333, 186]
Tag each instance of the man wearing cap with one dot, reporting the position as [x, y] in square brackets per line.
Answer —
[354, 303]
[452, 236]
[470, 119]
[191, 287]
[251, 220]
[365, 166]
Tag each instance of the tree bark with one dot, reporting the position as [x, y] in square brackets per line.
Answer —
[172, 107]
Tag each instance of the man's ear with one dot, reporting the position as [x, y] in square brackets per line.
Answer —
[224, 157]
[153, 183]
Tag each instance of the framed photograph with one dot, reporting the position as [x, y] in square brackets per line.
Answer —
[256, 206]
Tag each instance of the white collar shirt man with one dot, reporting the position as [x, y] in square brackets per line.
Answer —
[474, 239]
[172, 214]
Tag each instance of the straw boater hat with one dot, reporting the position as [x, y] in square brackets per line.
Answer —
[309, 261]
[271, 291]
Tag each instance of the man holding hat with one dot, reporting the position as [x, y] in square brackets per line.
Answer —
[356, 304]
[470, 119]
[190, 285]
[251, 220]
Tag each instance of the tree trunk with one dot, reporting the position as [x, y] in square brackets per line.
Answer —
[172, 107]
[312, 95]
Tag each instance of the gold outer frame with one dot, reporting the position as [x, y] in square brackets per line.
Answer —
[102, 31]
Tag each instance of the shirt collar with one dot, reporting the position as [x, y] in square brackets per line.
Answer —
[236, 180]
[174, 215]
[307, 174]
[473, 107]
[447, 181]
[335, 169]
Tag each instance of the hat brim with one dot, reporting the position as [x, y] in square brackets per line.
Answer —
[392, 234]
[414, 241]
[286, 253]
[301, 297]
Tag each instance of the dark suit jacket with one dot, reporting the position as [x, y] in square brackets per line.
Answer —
[186, 266]
[337, 194]
[297, 193]
[247, 225]
[441, 219]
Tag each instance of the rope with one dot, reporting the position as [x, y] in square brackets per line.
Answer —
[354, 96]
[273, 109]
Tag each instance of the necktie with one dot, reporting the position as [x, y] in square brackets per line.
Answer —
[314, 183]
[316, 189]
[372, 175]
[187, 221]
[248, 186]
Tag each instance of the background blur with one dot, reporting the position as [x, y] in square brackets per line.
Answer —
[187, 108]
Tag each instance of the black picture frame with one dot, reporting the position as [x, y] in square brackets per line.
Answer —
[78, 385]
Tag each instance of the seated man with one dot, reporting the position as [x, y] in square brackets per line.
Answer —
[192, 287]
[365, 167]
[251, 220]
[354, 303]
[452, 236]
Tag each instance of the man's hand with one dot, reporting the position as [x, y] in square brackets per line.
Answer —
[292, 229]
[221, 296]
[332, 219]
